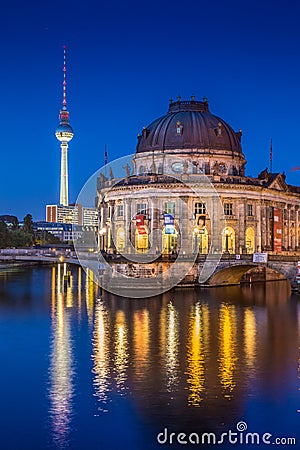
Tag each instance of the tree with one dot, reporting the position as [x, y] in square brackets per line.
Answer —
[4, 235]
[28, 228]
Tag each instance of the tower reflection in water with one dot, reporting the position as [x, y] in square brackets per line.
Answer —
[101, 355]
[61, 390]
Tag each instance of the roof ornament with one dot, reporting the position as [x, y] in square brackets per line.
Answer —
[178, 98]
[179, 128]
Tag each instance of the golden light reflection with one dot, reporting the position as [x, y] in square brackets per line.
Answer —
[100, 356]
[69, 293]
[61, 389]
[198, 342]
[298, 314]
[227, 349]
[121, 350]
[79, 287]
[250, 337]
[141, 342]
[172, 347]
[89, 294]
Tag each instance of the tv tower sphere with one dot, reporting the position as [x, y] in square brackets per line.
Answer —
[64, 132]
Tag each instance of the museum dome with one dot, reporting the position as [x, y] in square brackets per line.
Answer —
[189, 125]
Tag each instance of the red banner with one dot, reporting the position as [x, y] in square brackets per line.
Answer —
[139, 218]
[277, 230]
[142, 229]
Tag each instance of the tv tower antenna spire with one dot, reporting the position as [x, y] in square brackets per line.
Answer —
[64, 133]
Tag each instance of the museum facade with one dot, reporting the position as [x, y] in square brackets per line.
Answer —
[187, 163]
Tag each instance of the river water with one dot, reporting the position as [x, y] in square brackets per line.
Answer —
[83, 370]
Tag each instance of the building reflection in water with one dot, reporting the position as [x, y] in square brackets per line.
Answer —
[227, 348]
[121, 354]
[141, 344]
[90, 287]
[101, 367]
[61, 372]
[198, 342]
[172, 347]
[250, 338]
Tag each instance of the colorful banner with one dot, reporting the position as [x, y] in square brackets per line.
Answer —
[277, 230]
[169, 229]
[169, 224]
[168, 219]
[139, 218]
[142, 229]
[140, 224]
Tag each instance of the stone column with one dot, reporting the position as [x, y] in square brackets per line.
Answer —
[289, 240]
[185, 244]
[128, 225]
[217, 225]
[112, 226]
[258, 237]
[269, 244]
[155, 231]
[241, 231]
[284, 227]
[263, 227]
[296, 227]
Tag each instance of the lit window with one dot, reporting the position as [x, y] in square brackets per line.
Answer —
[170, 208]
[120, 210]
[200, 208]
[228, 209]
[249, 210]
[141, 208]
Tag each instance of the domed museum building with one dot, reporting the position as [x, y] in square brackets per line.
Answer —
[157, 206]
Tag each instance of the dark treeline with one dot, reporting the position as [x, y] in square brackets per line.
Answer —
[13, 235]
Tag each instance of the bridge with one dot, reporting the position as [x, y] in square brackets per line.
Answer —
[15, 256]
[229, 270]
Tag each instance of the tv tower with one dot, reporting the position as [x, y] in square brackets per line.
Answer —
[64, 133]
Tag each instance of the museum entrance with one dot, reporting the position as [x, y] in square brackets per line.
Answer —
[169, 242]
[200, 240]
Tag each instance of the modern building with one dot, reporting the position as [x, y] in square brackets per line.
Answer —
[72, 214]
[65, 232]
[157, 196]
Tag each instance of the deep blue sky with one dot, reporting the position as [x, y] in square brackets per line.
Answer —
[125, 60]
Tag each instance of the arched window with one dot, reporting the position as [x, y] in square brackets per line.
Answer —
[120, 239]
[169, 242]
[200, 240]
[228, 240]
[141, 240]
[250, 240]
